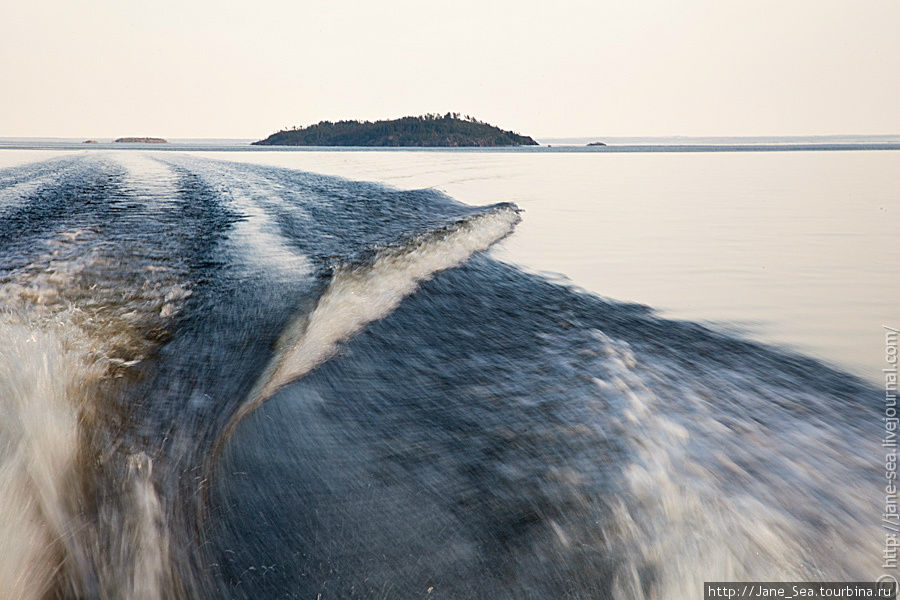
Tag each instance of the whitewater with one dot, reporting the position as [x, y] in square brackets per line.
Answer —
[225, 380]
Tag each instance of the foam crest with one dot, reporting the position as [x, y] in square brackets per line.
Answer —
[358, 295]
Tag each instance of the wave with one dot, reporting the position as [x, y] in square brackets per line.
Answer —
[360, 293]
[535, 442]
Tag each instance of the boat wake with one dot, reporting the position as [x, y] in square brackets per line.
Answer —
[225, 380]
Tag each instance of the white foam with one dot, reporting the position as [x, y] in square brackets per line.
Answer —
[40, 375]
[145, 545]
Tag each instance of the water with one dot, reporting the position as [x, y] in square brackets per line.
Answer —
[223, 379]
[797, 249]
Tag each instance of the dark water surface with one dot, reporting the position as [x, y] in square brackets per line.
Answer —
[227, 380]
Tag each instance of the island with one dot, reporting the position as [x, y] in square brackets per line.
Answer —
[140, 140]
[449, 130]
[596, 144]
[90, 142]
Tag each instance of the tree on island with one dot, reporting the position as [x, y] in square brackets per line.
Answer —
[430, 130]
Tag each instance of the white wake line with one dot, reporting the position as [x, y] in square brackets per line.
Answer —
[359, 296]
[255, 198]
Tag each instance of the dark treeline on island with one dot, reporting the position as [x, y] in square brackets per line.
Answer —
[428, 130]
[140, 140]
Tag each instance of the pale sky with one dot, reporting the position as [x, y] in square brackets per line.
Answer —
[218, 68]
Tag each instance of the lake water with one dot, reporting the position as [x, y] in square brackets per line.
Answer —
[797, 249]
[228, 373]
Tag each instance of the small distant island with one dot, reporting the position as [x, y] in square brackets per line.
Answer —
[596, 144]
[90, 142]
[140, 140]
[449, 130]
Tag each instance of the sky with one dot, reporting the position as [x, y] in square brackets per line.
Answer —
[217, 68]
